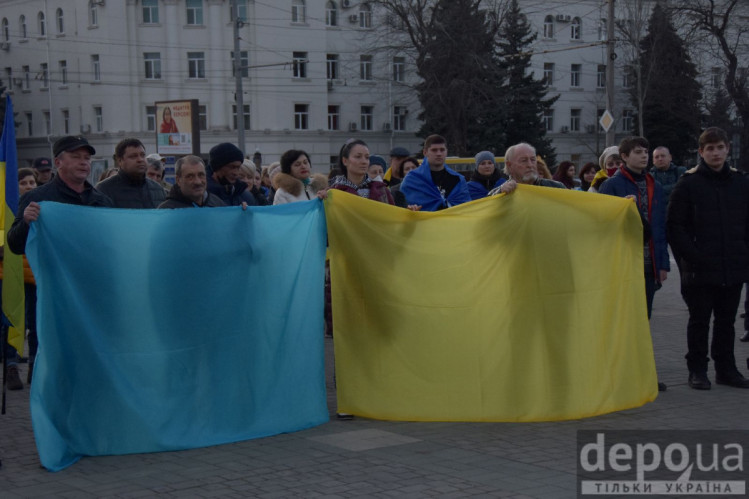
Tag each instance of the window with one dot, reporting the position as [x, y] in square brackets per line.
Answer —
[196, 65]
[95, 67]
[195, 12]
[603, 30]
[244, 62]
[575, 115]
[334, 117]
[98, 119]
[152, 61]
[299, 66]
[26, 84]
[367, 113]
[627, 77]
[601, 76]
[549, 74]
[29, 124]
[298, 11]
[5, 30]
[93, 13]
[41, 26]
[22, 27]
[331, 14]
[301, 116]
[150, 11]
[151, 118]
[628, 120]
[575, 71]
[203, 118]
[716, 77]
[63, 66]
[399, 118]
[60, 22]
[365, 67]
[9, 77]
[399, 68]
[548, 120]
[47, 123]
[549, 27]
[44, 70]
[365, 15]
[66, 121]
[332, 66]
[576, 29]
[245, 116]
[241, 10]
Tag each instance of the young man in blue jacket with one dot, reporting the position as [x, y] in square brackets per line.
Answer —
[632, 181]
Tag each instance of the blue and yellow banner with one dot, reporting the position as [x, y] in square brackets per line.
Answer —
[526, 307]
[173, 329]
[12, 264]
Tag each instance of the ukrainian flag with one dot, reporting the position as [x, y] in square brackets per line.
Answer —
[13, 302]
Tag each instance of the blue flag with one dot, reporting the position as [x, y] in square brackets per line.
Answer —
[172, 329]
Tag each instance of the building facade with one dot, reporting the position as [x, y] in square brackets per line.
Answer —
[314, 74]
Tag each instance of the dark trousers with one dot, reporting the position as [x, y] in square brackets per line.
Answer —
[650, 288]
[721, 302]
[30, 298]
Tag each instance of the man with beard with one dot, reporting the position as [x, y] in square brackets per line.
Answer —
[520, 165]
[130, 188]
[189, 188]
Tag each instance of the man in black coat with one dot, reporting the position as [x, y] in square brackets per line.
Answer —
[708, 230]
[225, 160]
[130, 188]
[189, 188]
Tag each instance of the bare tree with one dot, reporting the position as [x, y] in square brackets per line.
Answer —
[631, 27]
[724, 23]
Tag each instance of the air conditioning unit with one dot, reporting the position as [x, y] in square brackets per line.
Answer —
[345, 4]
[565, 129]
[330, 85]
[98, 2]
[85, 128]
[354, 18]
[352, 126]
[386, 127]
[590, 128]
[5, 46]
[564, 18]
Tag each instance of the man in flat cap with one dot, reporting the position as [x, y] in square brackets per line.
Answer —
[70, 186]
[394, 173]
[43, 169]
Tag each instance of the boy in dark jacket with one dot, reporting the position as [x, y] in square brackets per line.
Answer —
[708, 229]
[634, 182]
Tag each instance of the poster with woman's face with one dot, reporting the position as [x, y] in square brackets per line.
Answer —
[174, 127]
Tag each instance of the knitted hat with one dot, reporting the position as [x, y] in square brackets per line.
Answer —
[222, 154]
[609, 151]
[378, 160]
[399, 152]
[484, 156]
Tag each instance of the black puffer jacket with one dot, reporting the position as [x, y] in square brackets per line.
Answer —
[132, 192]
[176, 199]
[708, 226]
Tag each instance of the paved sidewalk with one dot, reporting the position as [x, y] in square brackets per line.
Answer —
[366, 458]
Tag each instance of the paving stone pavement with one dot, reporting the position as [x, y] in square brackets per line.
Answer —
[368, 458]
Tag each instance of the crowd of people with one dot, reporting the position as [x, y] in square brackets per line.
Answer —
[708, 234]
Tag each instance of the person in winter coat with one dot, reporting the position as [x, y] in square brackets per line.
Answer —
[189, 189]
[353, 161]
[665, 171]
[295, 182]
[708, 229]
[225, 160]
[485, 177]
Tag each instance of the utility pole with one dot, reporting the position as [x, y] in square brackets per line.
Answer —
[239, 97]
[610, 58]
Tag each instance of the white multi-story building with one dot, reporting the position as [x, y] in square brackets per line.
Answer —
[313, 75]
[97, 67]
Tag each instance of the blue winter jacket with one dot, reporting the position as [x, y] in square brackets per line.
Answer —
[621, 186]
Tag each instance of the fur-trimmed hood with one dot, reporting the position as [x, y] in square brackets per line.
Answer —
[294, 186]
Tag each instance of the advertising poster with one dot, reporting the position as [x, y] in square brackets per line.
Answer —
[177, 130]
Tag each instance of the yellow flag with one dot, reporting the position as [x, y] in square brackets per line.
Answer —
[496, 310]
